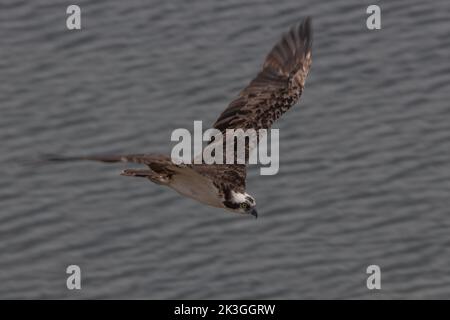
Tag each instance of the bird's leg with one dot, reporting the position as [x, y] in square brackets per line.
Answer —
[149, 174]
[136, 173]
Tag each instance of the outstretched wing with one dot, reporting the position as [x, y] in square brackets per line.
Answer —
[275, 89]
[277, 86]
[224, 176]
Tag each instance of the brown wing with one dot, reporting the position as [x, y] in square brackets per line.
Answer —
[278, 85]
[224, 176]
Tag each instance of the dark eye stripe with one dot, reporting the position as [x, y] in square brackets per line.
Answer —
[231, 205]
[244, 205]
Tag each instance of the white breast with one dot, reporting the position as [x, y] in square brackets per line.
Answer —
[193, 185]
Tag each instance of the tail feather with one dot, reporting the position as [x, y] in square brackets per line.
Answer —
[161, 166]
[136, 158]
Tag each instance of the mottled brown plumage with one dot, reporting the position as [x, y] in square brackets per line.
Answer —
[275, 89]
[277, 86]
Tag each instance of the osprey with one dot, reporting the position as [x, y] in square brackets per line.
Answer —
[271, 93]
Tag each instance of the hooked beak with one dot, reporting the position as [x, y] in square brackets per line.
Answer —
[254, 213]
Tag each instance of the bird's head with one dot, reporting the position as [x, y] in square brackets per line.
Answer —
[241, 203]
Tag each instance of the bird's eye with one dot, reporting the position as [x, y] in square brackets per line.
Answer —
[244, 205]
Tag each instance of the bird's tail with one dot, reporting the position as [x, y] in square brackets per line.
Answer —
[161, 166]
[136, 158]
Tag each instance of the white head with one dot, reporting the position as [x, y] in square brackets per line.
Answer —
[240, 202]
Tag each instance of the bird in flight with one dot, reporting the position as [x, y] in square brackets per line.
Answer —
[275, 89]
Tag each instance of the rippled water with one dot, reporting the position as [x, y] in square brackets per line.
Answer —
[364, 175]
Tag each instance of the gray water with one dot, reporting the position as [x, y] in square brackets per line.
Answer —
[364, 175]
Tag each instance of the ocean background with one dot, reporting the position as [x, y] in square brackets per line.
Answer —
[365, 156]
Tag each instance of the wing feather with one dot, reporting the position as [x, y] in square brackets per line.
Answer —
[276, 87]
